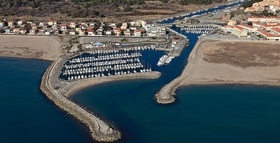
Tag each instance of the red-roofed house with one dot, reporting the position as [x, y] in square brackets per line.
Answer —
[275, 30]
[63, 26]
[91, 32]
[239, 31]
[265, 26]
[248, 27]
[127, 32]
[117, 31]
[72, 25]
[269, 36]
[138, 33]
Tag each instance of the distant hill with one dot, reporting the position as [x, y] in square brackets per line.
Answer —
[77, 8]
[89, 8]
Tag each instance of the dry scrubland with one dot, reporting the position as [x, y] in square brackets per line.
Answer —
[66, 11]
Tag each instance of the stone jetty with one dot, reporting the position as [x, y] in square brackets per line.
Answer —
[100, 130]
[58, 90]
[166, 94]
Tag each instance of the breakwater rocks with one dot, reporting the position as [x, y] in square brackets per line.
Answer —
[166, 94]
[57, 90]
[100, 130]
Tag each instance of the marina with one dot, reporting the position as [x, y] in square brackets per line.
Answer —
[202, 12]
[102, 63]
[200, 29]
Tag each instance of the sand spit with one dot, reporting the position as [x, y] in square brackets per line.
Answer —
[227, 62]
[57, 91]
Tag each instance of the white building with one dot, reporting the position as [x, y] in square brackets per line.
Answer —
[264, 19]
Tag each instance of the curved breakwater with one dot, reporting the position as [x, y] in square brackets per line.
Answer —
[101, 131]
[58, 90]
[166, 94]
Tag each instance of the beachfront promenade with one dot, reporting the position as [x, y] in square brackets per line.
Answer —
[56, 90]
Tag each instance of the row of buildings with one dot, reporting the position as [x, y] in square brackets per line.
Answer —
[136, 28]
[267, 28]
[269, 5]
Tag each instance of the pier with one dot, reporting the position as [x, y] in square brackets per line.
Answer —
[176, 45]
[200, 28]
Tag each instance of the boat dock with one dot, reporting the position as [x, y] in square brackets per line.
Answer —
[105, 62]
[200, 28]
[176, 45]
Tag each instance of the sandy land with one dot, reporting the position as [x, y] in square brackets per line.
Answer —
[75, 86]
[227, 62]
[33, 47]
[234, 62]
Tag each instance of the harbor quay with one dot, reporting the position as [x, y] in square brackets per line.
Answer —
[176, 45]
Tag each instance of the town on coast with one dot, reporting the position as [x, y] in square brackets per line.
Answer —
[229, 50]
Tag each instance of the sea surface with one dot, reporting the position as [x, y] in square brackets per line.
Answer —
[27, 115]
[202, 114]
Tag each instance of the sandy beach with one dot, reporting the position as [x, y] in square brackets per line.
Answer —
[72, 87]
[32, 47]
[227, 62]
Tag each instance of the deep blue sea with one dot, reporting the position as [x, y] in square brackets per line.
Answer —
[202, 114]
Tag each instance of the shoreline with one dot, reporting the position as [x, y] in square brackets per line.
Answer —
[199, 72]
[26, 58]
[247, 83]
